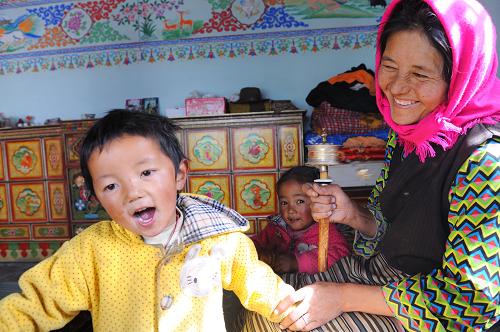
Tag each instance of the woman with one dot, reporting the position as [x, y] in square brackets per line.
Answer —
[428, 253]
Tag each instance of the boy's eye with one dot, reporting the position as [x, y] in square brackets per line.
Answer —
[283, 203]
[110, 187]
[300, 201]
[147, 172]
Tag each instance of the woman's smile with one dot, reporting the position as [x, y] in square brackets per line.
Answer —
[404, 103]
[410, 76]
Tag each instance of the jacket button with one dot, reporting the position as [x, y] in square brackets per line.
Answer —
[166, 302]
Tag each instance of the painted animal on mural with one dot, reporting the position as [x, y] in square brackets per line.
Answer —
[87, 26]
[16, 34]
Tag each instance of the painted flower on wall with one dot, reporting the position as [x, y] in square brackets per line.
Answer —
[254, 148]
[248, 11]
[207, 150]
[256, 194]
[76, 23]
[212, 190]
[24, 160]
[28, 202]
[146, 16]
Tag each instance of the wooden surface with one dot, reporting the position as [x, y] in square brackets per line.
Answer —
[324, 226]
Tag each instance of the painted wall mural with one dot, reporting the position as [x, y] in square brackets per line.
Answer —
[50, 35]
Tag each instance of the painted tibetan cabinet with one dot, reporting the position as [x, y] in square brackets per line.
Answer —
[234, 158]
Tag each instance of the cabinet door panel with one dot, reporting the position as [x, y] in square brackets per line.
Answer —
[255, 194]
[24, 159]
[51, 231]
[73, 144]
[83, 206]
[54, 158]
[2, 175]
[216, 187]
[14, 232]
[28, 202]
[288, 138]
[253, 148]
[4, 206]
[58, 201]
[208, 150]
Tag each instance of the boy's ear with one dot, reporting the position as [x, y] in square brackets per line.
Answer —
[180, 180]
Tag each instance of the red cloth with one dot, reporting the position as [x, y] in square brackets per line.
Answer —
[342, 121]
[277, 238]
[361, 153]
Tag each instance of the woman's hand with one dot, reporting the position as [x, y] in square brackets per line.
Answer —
[317, 304]
[321, 302]
[332, 203]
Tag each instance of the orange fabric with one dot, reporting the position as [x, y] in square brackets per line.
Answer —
[359, 75]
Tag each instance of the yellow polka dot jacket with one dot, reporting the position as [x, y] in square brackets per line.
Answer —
[128, 285]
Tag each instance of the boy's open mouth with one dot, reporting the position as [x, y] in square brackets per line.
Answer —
[145, 216]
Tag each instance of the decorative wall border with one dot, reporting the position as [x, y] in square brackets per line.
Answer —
[239, 46]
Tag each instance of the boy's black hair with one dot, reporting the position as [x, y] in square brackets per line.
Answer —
[118, 123]
[418, 15]
[301, 174]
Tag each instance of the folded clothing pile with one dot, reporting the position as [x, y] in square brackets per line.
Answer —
[345, 110]
[334, 120]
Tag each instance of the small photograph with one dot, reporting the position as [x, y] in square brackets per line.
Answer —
[134, 105]
[151, 105]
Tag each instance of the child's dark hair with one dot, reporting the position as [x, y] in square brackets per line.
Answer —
[301, 174]
[418, 15]
[118, 123]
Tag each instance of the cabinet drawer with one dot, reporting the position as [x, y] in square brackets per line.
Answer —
[356, 174]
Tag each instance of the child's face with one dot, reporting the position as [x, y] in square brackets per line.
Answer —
[294, 205]
[137, 184]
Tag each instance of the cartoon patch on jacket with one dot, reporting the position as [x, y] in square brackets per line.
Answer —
[305, 247]
[200, 275]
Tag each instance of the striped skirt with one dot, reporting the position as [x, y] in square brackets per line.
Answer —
[352, 269]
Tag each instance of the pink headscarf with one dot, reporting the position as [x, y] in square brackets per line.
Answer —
[474, 91]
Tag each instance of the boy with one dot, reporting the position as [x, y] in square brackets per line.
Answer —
[163, 259]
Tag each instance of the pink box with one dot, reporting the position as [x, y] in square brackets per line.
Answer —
[205, 106]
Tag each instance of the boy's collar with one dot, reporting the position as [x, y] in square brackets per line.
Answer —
[169, 234]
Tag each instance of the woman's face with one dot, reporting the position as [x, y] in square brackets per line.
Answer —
[410, 76]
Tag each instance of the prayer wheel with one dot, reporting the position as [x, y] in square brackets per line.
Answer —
[321, 156]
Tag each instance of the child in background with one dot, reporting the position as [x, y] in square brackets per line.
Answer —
[289, 242]
[162, 261]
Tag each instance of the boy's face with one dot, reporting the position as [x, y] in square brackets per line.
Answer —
[294, 205]
[137, 184]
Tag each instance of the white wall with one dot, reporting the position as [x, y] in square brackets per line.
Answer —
[70, 93]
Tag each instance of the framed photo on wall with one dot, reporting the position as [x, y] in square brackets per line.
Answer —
[151, 105]
[134, 105]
